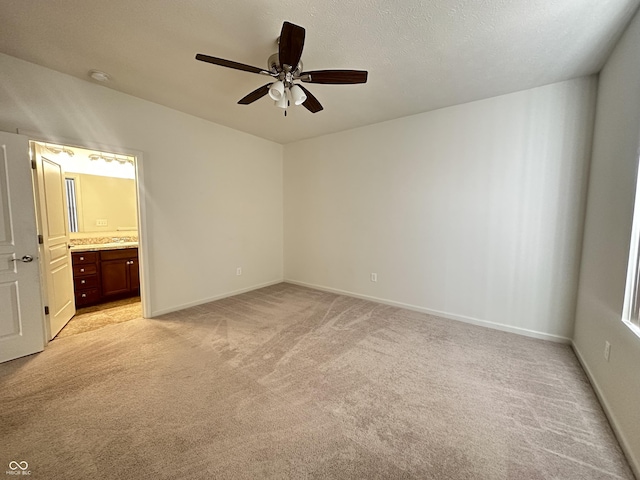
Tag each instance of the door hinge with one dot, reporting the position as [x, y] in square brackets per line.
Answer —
[40, 240]
[46, 310]
[33, 164]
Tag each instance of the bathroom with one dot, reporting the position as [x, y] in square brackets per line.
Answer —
[101, 220]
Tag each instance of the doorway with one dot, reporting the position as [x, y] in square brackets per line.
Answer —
[99, 210]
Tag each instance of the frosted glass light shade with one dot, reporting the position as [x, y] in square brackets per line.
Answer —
[283, 102]
[297, 95]
[276, 90]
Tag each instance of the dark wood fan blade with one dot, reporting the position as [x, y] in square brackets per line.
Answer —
[336, 77]
[291, 44]
[255, 95]
[311, 103]
[229, 64]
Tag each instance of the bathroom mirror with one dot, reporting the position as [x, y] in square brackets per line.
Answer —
[99, 204]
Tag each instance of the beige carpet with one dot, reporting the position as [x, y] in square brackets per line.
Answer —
[288, 382]
[97, 316]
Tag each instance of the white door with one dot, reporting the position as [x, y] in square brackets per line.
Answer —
[56, 258]
[21, 310]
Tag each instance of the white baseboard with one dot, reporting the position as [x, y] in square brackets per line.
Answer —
[450, 316]
[157, 313]
[622, 440]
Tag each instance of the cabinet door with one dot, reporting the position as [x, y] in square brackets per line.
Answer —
[115, 277]
[134, 276]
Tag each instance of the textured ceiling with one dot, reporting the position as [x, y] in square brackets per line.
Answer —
[420, 55]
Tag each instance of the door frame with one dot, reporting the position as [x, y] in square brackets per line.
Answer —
[143, 244]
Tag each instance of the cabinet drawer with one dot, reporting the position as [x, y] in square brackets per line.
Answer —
[86, 297]
[81, 270]
[90, 281]
[84, 258]
[119, 254]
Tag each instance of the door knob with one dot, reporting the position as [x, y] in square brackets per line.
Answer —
[25, 259]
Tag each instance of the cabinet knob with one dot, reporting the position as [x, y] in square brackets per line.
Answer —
[82, 269]
[83, 281]
[81, 258]
[84, 295]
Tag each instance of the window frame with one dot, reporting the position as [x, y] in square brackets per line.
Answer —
[71, 191]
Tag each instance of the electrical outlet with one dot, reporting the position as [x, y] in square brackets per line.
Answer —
[101, 222]
[607, 350]
[239, 271]
[374, 277]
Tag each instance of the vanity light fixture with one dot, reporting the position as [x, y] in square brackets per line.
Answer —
[57, 149]
[110, 158]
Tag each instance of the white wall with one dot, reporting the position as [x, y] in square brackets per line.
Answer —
[606, 243]
[473, 212]
[213, 195]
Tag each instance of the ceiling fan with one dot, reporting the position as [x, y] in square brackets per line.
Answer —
[285, 68]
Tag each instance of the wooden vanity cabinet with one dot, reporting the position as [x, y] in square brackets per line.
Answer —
[86, 278]
[105, 275]
[119, 273]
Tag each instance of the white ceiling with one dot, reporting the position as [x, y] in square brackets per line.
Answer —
[421, 55]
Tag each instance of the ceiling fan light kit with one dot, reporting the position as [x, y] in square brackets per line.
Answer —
[285, 68]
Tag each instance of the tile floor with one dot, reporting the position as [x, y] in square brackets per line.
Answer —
[98, 316]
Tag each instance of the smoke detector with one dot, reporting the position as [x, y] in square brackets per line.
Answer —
[99, 76]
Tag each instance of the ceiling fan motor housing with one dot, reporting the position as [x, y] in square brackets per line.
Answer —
[273, 65]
